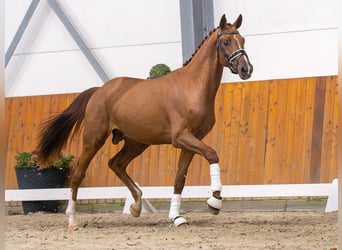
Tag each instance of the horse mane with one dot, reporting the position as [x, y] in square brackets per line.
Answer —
[210, 33]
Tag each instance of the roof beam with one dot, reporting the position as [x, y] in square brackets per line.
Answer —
[68, 25]
[78, 39]
[20, 31]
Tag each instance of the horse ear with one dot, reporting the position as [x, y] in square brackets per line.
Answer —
[238, 22]
[223, 22]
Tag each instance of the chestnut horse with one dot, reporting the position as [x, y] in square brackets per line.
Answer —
[176, 109]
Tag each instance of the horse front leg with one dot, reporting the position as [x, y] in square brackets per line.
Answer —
[188, 141]
[119, 163]
[183, 166]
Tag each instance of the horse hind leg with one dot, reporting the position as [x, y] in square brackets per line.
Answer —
[119, 163]
[91, 144]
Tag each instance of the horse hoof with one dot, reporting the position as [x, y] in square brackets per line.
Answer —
[134, 210]
[179, 221]
[214, 205]
[213, 210]
[72, 227]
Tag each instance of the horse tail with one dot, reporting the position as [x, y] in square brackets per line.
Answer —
[54, 133]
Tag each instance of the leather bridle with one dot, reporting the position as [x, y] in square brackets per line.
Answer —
[236, 54]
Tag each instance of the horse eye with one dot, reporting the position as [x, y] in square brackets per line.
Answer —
[226, 42]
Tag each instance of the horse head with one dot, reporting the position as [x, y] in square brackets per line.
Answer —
[231, 51]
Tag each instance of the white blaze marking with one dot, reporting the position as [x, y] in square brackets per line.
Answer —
[245, 57]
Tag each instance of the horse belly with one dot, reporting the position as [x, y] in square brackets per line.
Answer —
[143, 125]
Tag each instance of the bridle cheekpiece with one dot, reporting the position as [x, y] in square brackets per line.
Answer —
[236, 54]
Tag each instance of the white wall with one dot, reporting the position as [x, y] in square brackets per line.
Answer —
[284, 39]
[128, 38]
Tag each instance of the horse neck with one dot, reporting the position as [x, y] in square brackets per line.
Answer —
[205, 69]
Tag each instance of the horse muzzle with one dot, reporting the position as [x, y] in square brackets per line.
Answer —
[245, 70]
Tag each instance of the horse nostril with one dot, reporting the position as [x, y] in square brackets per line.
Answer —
[244, 69]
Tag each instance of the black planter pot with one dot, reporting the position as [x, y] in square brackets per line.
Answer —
[35, 178]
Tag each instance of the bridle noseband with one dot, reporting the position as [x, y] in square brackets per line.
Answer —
[236, 54]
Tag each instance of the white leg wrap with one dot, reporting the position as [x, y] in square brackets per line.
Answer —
[215, 177]
[214, 202]
[175, 206]
[174, 213]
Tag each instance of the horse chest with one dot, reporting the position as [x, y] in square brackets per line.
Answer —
[201, 121]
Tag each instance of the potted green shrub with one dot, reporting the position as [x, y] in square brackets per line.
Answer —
[31, 174]
[159, 70]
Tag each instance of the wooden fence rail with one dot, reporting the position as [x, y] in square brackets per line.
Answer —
[266, 132]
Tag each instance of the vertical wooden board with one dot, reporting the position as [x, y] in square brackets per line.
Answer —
[270, 142]
[37, 104]
[135, 169]
[216, 132]
[145, 167]
[170, 165]
[205, 172]
[282, 124]
[316, 147]
[61, 103]
[250, 164]
[262, 137]
[326, 132]
[288, 137]
[235, 130]
[110, 177]
[24, 120]
[173, 164]
[328, 137]
[307, 128]
[203, 167]
[290, 166]
[10, 116]
[221, 127]
[154, 165]
[333, 165]
[279, 93]
[257, 131]
[8, 137]
[10, 113]
[229, 171]
[243, 127]
[141, 168]
[196, 171]
[100, 168]
[20, 125]
[298, 135]
[27, 120]
[163, 161]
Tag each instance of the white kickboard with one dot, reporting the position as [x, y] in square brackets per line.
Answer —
[332, 203]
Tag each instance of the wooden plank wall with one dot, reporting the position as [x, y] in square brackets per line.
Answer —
[276, 131]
